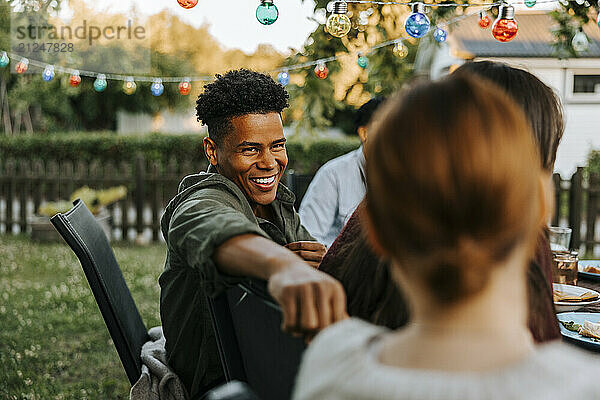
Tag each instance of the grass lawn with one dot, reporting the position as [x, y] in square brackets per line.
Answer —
[53, 341]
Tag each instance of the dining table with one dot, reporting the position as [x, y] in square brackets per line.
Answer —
[590, 284]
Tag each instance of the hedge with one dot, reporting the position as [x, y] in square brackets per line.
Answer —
[304, 157]
[594, 161]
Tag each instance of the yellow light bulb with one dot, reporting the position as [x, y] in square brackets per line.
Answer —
[338, 23]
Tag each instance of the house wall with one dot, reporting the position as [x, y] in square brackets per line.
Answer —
[582, 115]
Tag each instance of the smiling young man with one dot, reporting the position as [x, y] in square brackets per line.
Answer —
[237, 221]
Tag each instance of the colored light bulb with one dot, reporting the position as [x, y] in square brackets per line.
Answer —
[75, 79]
[484, 20]
[530, 3]
[185, 87]
[321, 71]
[4, 60]
[400, 50]
[187, 3]
[417, 23]
[440, 35]
[129, 87]
[48, 73]
[157, 87]
[22, 66]
[362, 62]
[505, 27]
[580, 42]
[267, 12]
[338, 23]
[100, 83]
[283, 78]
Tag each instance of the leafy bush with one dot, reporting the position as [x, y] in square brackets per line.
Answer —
[594, 161]
[304, 157]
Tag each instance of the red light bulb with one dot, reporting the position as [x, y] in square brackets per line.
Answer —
[75, 79]
[505, 27]
[185, 87]
[187, 3]
[321, 71]
[22, 66]
[484, 20]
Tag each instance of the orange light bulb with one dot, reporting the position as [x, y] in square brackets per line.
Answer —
[484, 20]
[505, 27]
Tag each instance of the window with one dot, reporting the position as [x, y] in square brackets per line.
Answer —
[586, 84]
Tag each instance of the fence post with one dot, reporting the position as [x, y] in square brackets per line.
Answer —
[576, 207]
[592, 211]
[557, 194]
[140, 166]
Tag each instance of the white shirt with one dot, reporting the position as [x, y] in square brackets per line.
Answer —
[341, 364]
[334, 193]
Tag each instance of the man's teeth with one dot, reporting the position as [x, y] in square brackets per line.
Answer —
[264, 181]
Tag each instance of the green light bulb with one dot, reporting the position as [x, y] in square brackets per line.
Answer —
[4, 60]
[530, 3]
[362, 62]
[267, 12]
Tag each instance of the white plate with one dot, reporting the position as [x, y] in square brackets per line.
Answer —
[579, 318]
[589, 275]
[574, 291]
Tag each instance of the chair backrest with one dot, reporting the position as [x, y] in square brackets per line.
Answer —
[88, 241]
[298, 183]
[252, 346]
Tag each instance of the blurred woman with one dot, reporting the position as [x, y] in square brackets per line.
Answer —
[455, 200]
[370, 293]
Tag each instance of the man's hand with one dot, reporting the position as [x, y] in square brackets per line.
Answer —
[311, 252]
[310, 300]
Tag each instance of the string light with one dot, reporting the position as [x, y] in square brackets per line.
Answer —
[48, 73]
[187, 3]
[129, 87]
[267, 12]
[4, 60]
[157, 88]
[484, 20]
[321, 71]
[440, 35]
[338, 23]
[22, 66]
[417, 23]
[283, 78]
[530, 3]
[100, 83]
[505, 27]
[75, 79]
[185, 87]
[580, 42]
[400, 50]
[362, 61]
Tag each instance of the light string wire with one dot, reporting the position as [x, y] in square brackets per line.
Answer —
[295, 67]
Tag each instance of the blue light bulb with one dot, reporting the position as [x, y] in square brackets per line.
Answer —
[48, 73]
[440, 35]
[417, 23]
[100, 83]
[157, 87]
[283, 78]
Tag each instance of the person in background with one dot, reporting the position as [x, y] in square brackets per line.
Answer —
[236, 222]
[455, 201]
[338, 186]
[370, 293]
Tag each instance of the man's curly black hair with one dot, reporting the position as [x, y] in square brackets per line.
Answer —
[237, 93]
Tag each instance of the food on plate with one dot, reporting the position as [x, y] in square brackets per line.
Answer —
[591, 269]
[590, 329]
[560, 296]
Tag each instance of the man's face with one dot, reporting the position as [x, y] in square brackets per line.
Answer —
[253, 156]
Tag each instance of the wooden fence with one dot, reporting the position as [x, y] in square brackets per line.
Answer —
[27, 183]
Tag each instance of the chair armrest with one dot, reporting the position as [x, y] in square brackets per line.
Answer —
[259, 289]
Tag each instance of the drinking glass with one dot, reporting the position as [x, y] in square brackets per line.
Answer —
[559, 238]
[565, 268]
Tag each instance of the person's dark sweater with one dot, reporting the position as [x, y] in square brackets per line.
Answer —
[373, 296]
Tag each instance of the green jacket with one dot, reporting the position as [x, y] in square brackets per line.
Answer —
[208, 210]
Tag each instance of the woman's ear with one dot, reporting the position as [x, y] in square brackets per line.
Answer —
[369, 232]
[546, 198]
[210, 149]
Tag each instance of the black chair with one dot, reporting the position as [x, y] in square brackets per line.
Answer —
[88, 241]
[298, 183]
[252, 347]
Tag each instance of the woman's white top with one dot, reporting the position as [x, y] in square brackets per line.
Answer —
[341, 363]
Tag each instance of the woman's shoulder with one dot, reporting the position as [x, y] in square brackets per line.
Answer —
[332, 356]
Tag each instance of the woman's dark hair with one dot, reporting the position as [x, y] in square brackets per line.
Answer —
[452, 192]
[365, 113]
[238, 93]
[540, 103]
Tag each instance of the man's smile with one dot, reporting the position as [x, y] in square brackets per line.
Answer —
[265, 183]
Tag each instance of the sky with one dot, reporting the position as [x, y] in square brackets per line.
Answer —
[232, 22]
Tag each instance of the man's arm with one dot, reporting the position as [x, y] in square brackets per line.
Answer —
[310, 300]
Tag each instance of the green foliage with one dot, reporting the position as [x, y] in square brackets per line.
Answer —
[305, 157]
[570, 17]
[53, 341]
[594, 162]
